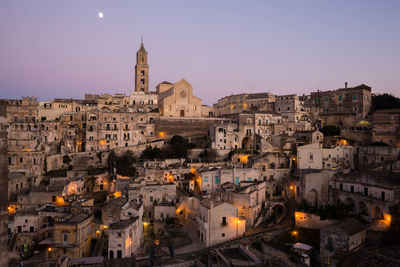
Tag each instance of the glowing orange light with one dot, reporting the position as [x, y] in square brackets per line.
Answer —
[388, 218]
[49, 249]
[60, 201]
[192, 170]
[244, 159]
[297, 214]
[161, 134]
[117, 194]
[102, 142]
[294, 233]
[11, 209]
[291, 187]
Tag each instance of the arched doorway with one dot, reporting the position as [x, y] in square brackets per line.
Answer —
[312, 198]
[376, 213]
[247, 142]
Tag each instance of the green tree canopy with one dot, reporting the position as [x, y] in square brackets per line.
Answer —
[330, 130]
[384, 101]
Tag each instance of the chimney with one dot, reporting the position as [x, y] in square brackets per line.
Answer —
[345, 85]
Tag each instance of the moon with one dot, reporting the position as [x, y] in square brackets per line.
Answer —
[100, 15]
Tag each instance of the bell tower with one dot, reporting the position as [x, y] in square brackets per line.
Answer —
[141, 70]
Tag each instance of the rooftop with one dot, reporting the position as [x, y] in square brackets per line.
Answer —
[350, 226]
[122, 224]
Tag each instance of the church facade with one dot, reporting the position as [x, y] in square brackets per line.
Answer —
[177, 100]
[174, 99]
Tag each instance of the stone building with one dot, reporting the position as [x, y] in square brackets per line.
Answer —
[72, 237]
[338, 239]
[177, 100]
[314, 156]
[272, 165]
[209, 180]
[312, 186]
[224, 136]
[214, 221]
[245, 102]
[108, 130]
[3, 186]
[371, 194]
[308, 137]
[344, 107]
[248, 197]
[291, 108]
[124, 238]
[255, 129]
[141, 70]
[157, 195]
[378, 157]
[386, 127]
[121, 208]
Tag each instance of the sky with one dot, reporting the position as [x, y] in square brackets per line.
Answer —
[62, 49]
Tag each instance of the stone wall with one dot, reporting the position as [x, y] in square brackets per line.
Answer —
[167, 127]
[312, 221]
[79, 161]
[137, 149]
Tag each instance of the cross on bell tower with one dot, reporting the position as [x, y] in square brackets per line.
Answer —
[141, 70]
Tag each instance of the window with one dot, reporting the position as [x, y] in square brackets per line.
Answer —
[352, 188]
[237, 180]
[217, 180]
[65, 237]
[316, 99]
[205, 179]
[142, 72]
[223, 234]
[326, 99]
[311, 157]
[151, 199]
[119, 254]
[340, 98]
[224, 222]
[341, 187]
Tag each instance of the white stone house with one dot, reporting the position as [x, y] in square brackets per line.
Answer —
[124, 238]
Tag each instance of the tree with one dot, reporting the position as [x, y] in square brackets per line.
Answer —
[152, 153]
[330, 130]
[208, 155]
[111, 162]
[384, 101]
[124, 164]
[179, 146]
[66, 160]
